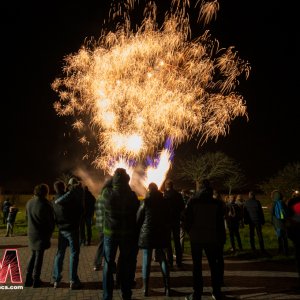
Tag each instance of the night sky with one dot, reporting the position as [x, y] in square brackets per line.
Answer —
[38, 146]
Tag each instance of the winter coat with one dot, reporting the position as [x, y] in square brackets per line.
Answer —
[89, 203]
[233, 214]
[120, 208]
[153, 217]
[177, 205]
[204, 219]
[68, 209]
[6, 205]
[253, 212]
[278, 217]
[11, 218]
[40, 218]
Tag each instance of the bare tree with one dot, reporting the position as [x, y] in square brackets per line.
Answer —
[210, 165]
[286, 180]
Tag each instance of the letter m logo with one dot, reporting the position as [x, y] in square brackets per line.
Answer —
[10, 265]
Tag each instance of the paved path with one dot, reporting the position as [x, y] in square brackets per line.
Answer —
[244, 279]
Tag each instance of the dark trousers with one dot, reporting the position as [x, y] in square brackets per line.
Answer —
[86, 230]
[99, 251]
[234, 233]
[212, 254]
[175, 231]
[127, 254]
[258, 229]
[34, 265]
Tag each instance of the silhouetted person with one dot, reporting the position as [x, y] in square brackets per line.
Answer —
[120, 233]
[40, 218]
[177, 206]
[233, 217]
[68, 208]
[153, 218]
[87, 219]
[5, 209]
[254, 217]
[205, 226]
[278, 218]
[11, 218]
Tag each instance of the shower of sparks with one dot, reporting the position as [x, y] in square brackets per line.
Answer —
[134, 88]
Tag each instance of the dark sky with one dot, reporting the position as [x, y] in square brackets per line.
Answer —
[36, 145]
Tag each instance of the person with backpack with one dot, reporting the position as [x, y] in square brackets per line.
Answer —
[278, 219]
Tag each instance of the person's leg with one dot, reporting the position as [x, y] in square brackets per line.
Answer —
[251, 236]
[88, 224]
[127, 263]
[212, 256]
[109, 254]
[237, 235]
[231, 237]
[59, 258]
[220, 263]
[182, 235]
[260, 237]
[165, 271]
[74, 243]
[196, 250]
[38, 263]
[29, 270]
[177, 245]
[82, 231]
[146, 268]
[169, 250]
[99, 253]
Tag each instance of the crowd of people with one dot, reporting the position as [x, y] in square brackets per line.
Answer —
[156, 225]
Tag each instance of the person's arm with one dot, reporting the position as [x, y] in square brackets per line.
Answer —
[64, 198]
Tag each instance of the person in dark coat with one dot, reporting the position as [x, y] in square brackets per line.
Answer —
[254, 217]
[11, 218]
[5, 209]
[120, 233]
[233, 218]
[40, 218]
[68, 208]
[153, 218]
[87, 219]
[177, 206]
[204, 223]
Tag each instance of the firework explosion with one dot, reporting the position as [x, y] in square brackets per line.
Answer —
[136, 88]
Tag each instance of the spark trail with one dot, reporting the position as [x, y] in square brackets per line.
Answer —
[136, 87]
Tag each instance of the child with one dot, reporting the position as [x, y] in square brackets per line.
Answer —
[13, 210]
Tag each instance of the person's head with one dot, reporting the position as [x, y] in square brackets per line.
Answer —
[73, 182]
[205, 188]
[169, 185]
[231, 198]
[152, 187]
[251, 194]
[239, 198]
[41, 190]
[120, 177]
[59, 187]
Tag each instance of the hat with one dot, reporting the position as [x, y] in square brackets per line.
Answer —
[73, 181]
[120, 177]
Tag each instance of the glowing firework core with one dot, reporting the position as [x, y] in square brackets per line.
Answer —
[136, 88]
